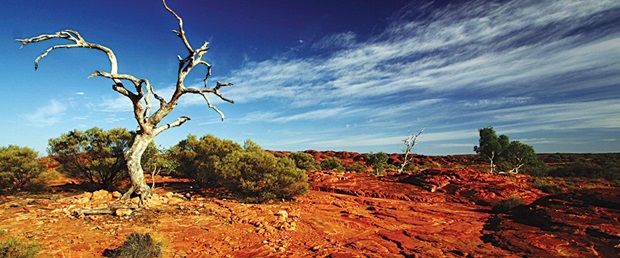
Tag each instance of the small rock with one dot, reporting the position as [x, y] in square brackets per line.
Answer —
[123, 212]
[101, 195]
[280, 249]
[292, 226]
[83, 198]
[175, 200]
[116, 194]
[315, 248]
[282, 215]
[169, 195]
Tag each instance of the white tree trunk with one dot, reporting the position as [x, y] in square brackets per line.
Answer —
[134, 167]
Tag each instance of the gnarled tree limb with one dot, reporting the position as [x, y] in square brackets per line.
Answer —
[148, 123]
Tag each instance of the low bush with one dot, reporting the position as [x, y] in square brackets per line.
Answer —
[378, 161]
[504, 206]
[137, 245]
[96, 155]
[304, 161]
[607, 168]
[332, 163]
[250, 173]
[546, 187]
[19, 169]
[355, 167]
[390, 167]
[199, 159]
[258, 176]
[14, 248]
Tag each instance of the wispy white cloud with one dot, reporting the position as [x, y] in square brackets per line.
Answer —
[475, 46]
[340, 40]
[47, 115]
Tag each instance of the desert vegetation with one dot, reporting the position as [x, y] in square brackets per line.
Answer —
[508, 156]
[113, 192]
[96, 155]
[20, 169]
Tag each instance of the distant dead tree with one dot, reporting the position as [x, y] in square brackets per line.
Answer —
[409, 142]
[148, 122]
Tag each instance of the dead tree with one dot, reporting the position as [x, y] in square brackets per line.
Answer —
[409, 142]
[148, 122]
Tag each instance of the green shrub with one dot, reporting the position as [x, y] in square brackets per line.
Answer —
[332, 164]
[304, 161]
[96, 155]
[606, 167]
[258, 176]
[390, 167]
[378, 161]
[199, 159]
[356, 167]
[504, 206]
[137, 245]
[19, 169]
[14, 248]
[546, 187]
[164, 163]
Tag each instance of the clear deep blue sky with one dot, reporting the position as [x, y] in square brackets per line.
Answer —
[341, 75]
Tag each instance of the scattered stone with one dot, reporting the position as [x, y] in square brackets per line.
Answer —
[175, 200]
[281, 215]
[83, 198]
[123, 212]
[116, 194]
[101, 195]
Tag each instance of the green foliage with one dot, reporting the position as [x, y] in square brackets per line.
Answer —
[96, 155]
[356, 167]
[14, 248]
[258, 176]
[250, 172]
[519, 156]
[607, 167]
[332, 163]
[508, 155]
[199, 159]
[137, 245]
[378, 161]
[164, 163]
[489, 145]
[304, 161]
[546, 187]
[506, 205]
[19, 169]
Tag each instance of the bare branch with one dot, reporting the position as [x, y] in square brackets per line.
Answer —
[78, 41]
[44, 54]
[180, 33]
[178, 122]
[409, 142]
[127, 77]
[208, 71]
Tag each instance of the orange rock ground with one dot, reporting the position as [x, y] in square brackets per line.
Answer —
[436, 213]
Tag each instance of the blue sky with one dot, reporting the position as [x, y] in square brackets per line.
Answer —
[350, 75]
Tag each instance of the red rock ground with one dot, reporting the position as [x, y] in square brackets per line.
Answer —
[435, 213]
